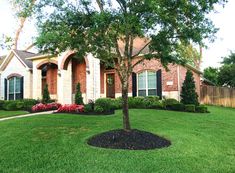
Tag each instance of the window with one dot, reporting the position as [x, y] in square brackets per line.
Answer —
[147, 83]
[14, 89]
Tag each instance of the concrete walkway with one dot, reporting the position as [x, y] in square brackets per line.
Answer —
[26, 115]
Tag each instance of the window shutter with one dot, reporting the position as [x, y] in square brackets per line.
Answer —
[159, 83]
[134, 83]
[22, 87]
[5, 89]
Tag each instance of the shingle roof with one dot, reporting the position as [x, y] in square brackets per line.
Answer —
[23, 55]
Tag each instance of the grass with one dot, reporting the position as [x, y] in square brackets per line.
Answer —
[4, 114]
[57, 143]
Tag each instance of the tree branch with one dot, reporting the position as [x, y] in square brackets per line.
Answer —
[100, 4]
[141, 50]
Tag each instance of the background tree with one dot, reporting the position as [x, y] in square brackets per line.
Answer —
[46, 95]
[188, 92]
[226, 73]
[78, 95]
[101, 26]
[211, 74]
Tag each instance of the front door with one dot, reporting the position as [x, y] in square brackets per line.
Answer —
[110, 85]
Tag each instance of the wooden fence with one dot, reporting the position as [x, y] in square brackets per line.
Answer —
[220, 96]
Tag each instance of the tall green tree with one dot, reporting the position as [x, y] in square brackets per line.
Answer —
[211, 74]
[188, 92]
[226, 73]
[78, 95]
[100, 26]
[46, 95]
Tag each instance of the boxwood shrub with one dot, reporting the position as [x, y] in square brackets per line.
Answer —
[104, 103]
[167, 103]
[12, 105]
[202, 109]
[190, 108]
[177, 107]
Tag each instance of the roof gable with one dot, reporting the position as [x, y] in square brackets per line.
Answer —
[21, 56]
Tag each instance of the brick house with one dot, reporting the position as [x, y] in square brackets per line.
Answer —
[62, 73]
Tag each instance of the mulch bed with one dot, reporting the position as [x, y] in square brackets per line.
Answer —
[88, 113]
[133, 140]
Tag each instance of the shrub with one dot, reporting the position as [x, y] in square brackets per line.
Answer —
[10, 105]
[71, 108]
[1, 104]
[188, 92]
[178, 107]
[136, 102]
[190, 108]
[99, 109]
[46, 95]
[78, 95]
[201, 109]
[117, 103]
[105, 103]
[167, 103]
[88, 108]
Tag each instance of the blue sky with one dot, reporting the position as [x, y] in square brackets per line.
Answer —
[223, 19]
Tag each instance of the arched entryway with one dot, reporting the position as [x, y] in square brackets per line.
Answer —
[79, 69]
[49, 71]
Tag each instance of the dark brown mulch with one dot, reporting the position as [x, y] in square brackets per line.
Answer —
[133, 140]
[88, 113]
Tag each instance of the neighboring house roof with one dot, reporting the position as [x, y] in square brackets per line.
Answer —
[207, 81]
[22, 57]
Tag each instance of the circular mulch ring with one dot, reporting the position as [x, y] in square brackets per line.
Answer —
[133, 140]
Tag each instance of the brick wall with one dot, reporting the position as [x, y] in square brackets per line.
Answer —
[51, 79]
[169, 78]
[78, 75]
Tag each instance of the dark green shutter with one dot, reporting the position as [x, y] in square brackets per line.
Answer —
[134, 83]
[22, 87]
[159, 83]
[5, 89]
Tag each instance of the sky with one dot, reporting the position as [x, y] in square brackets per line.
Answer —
[221, 47]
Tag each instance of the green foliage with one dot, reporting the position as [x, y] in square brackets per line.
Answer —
[104, 103]
[188, 92]
[230, 59]
[177, 107]
[211, 74]
[201, 109]
[12, 105]
[99, 109]
[78, 95]
[1, 104]
[167, 103]
[226, 75]
[88, 108]
[190, 108]
[46, 95]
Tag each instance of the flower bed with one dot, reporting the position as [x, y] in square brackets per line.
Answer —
[40, 107]
[70, 108]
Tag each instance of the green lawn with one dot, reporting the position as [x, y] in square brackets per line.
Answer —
[57, 143]
[4, 114]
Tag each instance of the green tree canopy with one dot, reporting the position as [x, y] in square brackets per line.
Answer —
[101, 26]
[211, 74]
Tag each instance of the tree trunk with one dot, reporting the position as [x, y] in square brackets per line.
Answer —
[125, 111]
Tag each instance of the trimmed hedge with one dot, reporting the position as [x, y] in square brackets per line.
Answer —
[178, 107]
[202, 109]
[13, 105]
[104, 103]
[190, 108]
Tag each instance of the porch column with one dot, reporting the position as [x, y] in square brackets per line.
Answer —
[37, 82]
[65, 86]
